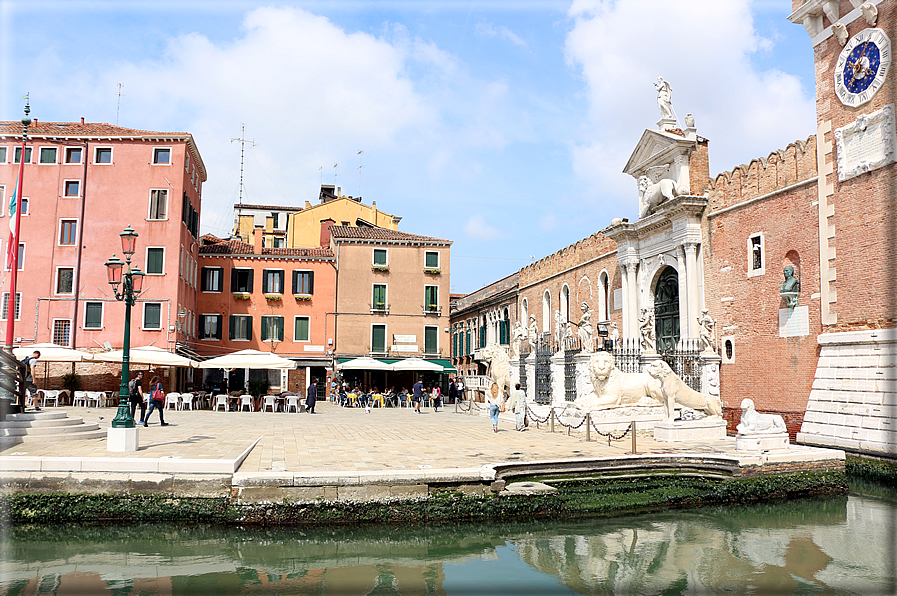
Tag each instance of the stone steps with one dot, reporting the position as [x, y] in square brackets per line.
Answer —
[47, 426]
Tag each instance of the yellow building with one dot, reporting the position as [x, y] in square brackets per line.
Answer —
[304, 225]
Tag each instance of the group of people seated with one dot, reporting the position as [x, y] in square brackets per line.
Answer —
[364, 396]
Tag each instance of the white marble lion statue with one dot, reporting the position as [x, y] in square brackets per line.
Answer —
[753, 422]
[675, 391]
[613, 388]
[652, 194]
[499, 367]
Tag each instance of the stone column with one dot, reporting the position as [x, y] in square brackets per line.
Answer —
[583, 380]
[632, 300]
[683, 291]
[691, 275]
[710, 375]
[624, 279]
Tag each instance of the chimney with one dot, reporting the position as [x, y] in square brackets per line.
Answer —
[325, 231]
[257, 240]
[82, 119]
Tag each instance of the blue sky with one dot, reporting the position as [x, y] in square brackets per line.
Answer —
[503, 126]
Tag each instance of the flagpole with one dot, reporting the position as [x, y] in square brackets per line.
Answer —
[14, 239]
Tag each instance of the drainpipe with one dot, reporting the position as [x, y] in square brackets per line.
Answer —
[77, 281]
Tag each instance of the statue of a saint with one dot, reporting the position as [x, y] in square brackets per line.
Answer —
[614, 334]
[533, 329]
[706, 324]
[790, 287]
[646, 329]
[664, 98]
[585, 329]
[519, 336]
[560, 327]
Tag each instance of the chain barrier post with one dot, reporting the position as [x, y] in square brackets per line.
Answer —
[634, 451]
[588, 424]
[551, 419]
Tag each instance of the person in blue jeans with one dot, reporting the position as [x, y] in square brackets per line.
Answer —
[496, 401]
[157, 400]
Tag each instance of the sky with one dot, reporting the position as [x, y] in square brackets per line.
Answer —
[503, 126]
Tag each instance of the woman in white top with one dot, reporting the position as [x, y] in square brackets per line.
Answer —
[436, 397]
[496, 401]
[517, 404]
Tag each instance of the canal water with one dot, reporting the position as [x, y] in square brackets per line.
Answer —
[838, 545]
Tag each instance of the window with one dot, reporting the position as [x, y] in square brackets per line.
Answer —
[158, 206]
[272, 328]
[187, 162]
[303, 282]
[4, 313]
[18, 155]
[278, 242]
[431, 340]
[380, 257]
[93, 315]
[155, 261]
[275, 219]
[20, 264]
[431, 298]
[378, 339]
[240, 327]
[71, 188]
[431, 260]
[65, 278]
[756, 247]
[241, 280]
[152, 315]
[300, 331]
[68, 232]
[272, 281]
[62, 332]
[212, 278]
[24, 204]
[2, 154]
[48, 155]
[161, 156]
[378, 299]
[2, 198]
[103, 155]
[211, 327]
[73, 155]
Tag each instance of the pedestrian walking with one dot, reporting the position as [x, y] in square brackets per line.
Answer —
[517, 404]
[496, 405]
[436, 398]
[30, 387]
[417, 395]
[135, 396]
[157, 400]
[311, 397]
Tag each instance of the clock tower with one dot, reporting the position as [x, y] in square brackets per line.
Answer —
[857, 218]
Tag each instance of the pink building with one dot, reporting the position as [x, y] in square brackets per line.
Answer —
[83, 184]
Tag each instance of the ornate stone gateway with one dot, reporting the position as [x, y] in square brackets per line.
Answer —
[666, 310]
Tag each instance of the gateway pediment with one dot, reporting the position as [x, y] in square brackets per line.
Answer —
[657, 149]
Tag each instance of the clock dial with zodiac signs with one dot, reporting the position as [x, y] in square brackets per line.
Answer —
[862, 67]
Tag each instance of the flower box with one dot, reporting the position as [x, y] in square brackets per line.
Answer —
[303, 297]
[432, 271]
[273, 297]
[242, 296]
[380, 268]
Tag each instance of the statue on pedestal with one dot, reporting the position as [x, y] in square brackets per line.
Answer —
[664, 98]
[752, 422]
[585, 329]
[533, 329]
[646, 330]
[790, 289]
[519, 336]
[614, 334]
[708, 335]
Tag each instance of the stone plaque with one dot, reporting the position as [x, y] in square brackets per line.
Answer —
[794, 322]
[404, 339]
[867, 144]
[312, 348]
[404, 348]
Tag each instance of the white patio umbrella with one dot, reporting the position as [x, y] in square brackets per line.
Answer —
[416, 364]
[248, 359]
[52, 353]
[364, 363]
[146, 355]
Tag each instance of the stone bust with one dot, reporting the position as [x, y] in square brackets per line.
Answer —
[790, 287]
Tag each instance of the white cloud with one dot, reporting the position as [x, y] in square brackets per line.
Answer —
[490, 30]
[704, 48]
[476, 228]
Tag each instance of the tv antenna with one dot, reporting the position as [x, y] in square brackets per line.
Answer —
[118, 106]
[243, 142]
[360, 155]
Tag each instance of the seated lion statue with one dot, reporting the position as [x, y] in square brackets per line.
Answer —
[675, 391]
[613, 388]
[753, 422]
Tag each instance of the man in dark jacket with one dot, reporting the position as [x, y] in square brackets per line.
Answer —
[135, 396]
[311, 397]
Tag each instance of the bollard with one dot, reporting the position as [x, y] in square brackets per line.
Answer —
[551, 419]
[588, 424]
[633, 438]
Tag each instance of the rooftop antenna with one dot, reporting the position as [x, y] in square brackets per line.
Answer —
[334, 179]
[243, 142]
[118, 107]
[360, 155]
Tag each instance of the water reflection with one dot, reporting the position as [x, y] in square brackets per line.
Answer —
[835, 545]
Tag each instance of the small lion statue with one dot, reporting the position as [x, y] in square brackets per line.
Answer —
[675, 391]
[652, 193]
[614, 388]
[753, 422]
[499, 367]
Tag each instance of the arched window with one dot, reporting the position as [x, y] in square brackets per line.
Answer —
[546, 312]
[603, 297]
[565, 303]
[524, 313]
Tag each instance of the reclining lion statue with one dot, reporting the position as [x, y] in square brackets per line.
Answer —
[753, 422]
[675, 391]
[613, 388]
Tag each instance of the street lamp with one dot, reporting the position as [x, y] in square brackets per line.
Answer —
[131, 281]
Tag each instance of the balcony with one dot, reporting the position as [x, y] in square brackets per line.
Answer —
[380, 308]
[432, 309]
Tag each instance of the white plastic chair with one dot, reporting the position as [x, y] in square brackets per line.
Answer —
[80, 399]
[186, 401]
[246, 400]
[292, 402]
[172, 398]
[94, 397]
[221, 400]
[268, 401]
[49, 395]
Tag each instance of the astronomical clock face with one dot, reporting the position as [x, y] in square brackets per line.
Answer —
[862, 67]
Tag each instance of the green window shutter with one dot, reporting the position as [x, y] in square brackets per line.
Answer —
[264, 335]
[152, 315]
[154, 260]
[249, 328]
[218, 321]
[432, 260]
[378, 338]
[311, 282]
[93, 315]
[231, 332]
[301, 332]
[379, 256]
[430, 337]
[278, 323]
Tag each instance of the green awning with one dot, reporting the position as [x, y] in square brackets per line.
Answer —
[445, 363]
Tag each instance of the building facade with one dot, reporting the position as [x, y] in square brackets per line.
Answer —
[83, 184]
[481, 318]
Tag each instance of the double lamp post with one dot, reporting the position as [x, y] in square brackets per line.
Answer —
[131, 281]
